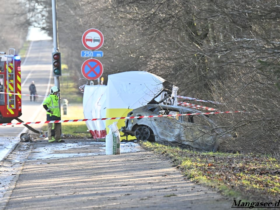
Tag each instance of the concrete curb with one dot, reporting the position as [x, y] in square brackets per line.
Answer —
[9, 151]
[12, 185]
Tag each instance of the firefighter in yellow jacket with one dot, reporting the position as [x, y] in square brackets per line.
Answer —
[51, 105]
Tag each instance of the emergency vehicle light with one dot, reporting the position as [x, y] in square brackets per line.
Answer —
[17, 58]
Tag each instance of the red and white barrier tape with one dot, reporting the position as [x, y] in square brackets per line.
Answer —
[196, 106]
[21, 94]
[122, 118]
[199, 100]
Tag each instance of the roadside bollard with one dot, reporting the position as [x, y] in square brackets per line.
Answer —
[64, 106]
[116, 145]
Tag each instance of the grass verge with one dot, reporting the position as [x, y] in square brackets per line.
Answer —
[250, 176]
[70, 91]
[75, 129]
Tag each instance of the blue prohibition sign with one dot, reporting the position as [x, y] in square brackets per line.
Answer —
[92, 69]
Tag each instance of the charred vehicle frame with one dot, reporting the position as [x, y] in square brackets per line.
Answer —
[198, 131]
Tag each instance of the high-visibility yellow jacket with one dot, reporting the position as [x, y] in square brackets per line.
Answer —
[52, 102]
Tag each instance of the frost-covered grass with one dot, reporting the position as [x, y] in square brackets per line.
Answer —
[237, 175]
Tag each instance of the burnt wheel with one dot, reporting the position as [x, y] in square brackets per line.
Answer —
[25, 137]
[142, 133]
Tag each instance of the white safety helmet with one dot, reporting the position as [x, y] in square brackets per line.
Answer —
[54, 89]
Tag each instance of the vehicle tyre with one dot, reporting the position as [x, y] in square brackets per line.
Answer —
[25, 137]
[143, 133]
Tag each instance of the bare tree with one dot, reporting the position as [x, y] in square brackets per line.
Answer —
[13, 24]
[226, 51]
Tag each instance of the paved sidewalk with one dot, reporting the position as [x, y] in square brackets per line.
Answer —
[138, 180]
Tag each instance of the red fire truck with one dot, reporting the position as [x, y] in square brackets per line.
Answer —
[10, 86]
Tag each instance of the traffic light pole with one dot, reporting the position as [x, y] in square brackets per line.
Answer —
[55, 48]
[55, 42]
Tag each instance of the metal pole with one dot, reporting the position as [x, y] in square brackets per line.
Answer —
[54, 25]
[55, 48]
[55, 42]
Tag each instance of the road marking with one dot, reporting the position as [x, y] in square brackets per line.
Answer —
[46, 93]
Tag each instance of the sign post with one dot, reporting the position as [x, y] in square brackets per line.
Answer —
[92, 69]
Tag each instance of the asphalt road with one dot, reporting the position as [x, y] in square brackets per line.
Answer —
[36, 67]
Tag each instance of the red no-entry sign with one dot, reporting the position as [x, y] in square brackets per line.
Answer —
[92, 39]
[92, 69]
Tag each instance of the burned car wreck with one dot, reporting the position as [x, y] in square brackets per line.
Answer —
[198, 131]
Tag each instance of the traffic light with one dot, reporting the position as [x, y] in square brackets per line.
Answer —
[56, 64]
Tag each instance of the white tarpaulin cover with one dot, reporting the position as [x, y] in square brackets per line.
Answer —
[129, 90]
[132, 89]
[124, 92]
[93, 104]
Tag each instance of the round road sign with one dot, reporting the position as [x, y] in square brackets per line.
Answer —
[92, 69]
[92, 39]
